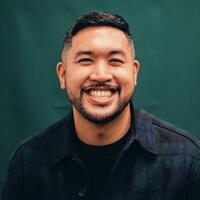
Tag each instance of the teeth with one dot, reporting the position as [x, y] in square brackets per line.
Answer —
[100, 93]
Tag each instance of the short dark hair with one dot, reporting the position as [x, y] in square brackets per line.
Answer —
[97, 18]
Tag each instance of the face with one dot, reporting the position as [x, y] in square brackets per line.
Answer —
[99, 73]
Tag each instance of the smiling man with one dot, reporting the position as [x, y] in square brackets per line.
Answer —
[99, 73]
[106, 148]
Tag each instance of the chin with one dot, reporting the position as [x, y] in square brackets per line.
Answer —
[100, 114]
[101, 118]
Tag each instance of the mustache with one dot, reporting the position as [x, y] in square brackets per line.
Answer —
[100, 86]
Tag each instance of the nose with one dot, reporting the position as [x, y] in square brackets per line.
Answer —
[101, 73]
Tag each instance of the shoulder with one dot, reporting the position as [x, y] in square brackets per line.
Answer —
[37, 147]
[172, 139]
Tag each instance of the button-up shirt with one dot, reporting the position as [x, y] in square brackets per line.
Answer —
[159, 161]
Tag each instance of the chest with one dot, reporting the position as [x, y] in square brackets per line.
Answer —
[135, 177]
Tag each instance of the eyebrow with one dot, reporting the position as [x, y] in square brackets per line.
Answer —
[80, 53]
[113, 52]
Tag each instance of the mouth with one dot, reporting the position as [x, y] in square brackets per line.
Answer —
[101, 95]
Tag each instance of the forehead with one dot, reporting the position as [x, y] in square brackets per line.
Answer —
[100, 38]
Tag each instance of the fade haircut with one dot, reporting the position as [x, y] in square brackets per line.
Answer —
[98, 18]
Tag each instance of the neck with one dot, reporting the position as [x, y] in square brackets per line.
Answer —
[102, 134]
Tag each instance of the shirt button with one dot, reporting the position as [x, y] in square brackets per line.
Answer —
[74, 159]
[82, 192]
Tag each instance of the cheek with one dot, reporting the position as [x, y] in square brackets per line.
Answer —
[125, 77]
[76, 77]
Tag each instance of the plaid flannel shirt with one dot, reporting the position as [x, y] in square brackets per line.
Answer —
[159, 161]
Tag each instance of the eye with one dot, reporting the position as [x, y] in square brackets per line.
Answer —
[116, 61]
[85, 61]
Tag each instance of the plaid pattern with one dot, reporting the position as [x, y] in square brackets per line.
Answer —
[158, 162]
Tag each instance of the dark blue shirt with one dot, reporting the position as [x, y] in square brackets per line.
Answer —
[158, 161]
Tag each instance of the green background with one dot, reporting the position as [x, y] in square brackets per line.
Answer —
[167, 40]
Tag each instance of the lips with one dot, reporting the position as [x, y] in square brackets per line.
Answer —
[101, 94]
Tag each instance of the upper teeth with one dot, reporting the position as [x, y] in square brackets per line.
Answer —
[100, 93]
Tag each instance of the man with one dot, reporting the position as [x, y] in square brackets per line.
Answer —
[107, 148]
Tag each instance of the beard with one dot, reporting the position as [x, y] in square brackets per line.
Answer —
[78, 103]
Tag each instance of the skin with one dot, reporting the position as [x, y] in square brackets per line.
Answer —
[99, 73]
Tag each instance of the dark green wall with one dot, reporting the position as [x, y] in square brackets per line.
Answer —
[167, 40]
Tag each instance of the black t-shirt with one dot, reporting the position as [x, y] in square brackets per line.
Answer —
[99, 161]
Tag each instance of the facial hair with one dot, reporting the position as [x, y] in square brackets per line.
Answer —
[78, 103]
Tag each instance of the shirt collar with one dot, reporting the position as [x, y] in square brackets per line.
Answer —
[62, 140]
[142, 132]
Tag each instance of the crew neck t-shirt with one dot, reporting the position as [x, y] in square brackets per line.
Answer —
[99, 161]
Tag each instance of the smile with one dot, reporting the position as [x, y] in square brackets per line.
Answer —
[100, 94]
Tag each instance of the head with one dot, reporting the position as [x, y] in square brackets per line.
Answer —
[98, 68]
[97, 19]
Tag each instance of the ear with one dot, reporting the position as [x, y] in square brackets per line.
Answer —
[136, 67]
[60, 69]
